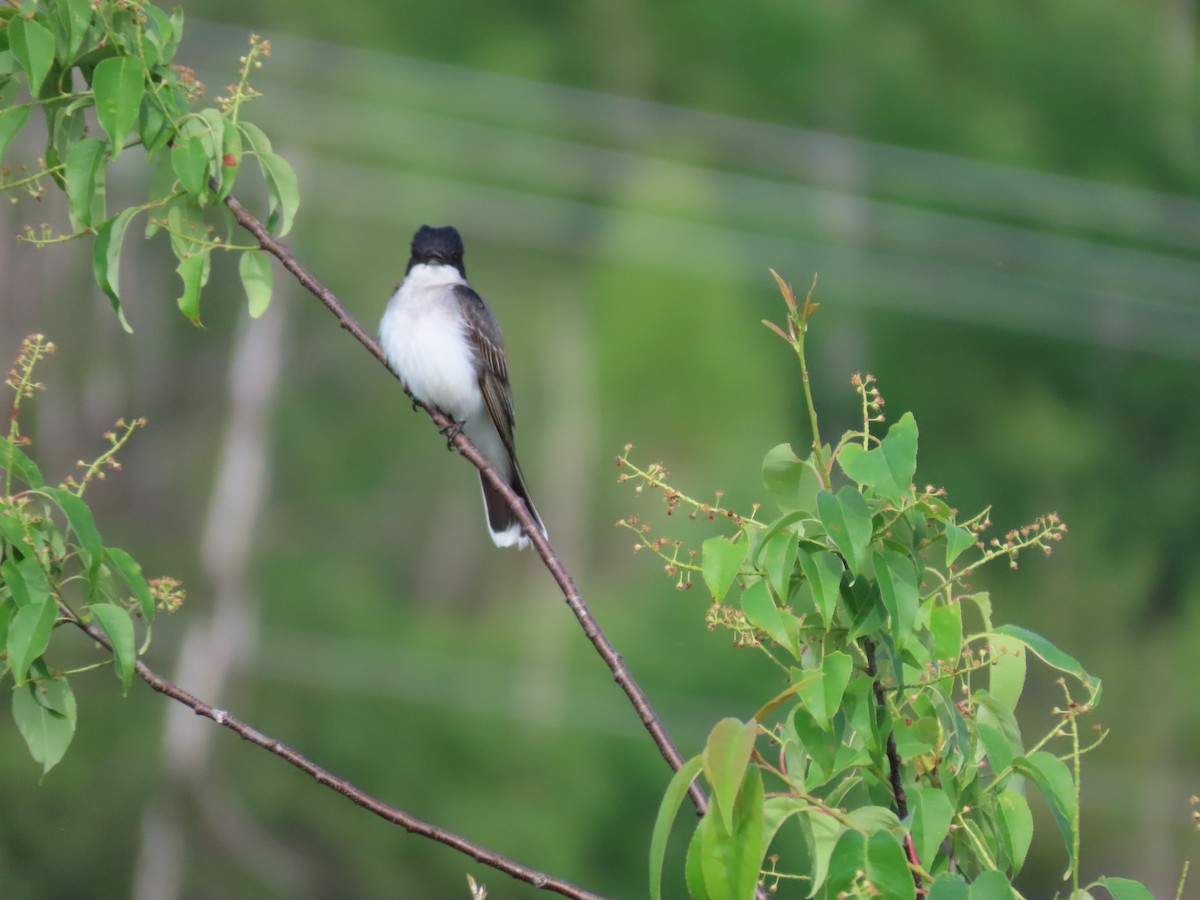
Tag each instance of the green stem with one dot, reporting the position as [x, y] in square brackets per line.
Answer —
[1075, 755]
[801, 331]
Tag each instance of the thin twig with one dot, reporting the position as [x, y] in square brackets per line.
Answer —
[558, 572]
[328, 779]
[895, 775]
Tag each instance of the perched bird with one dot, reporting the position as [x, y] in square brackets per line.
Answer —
[441, 338]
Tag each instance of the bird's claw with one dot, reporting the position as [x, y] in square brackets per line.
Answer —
[451, 431]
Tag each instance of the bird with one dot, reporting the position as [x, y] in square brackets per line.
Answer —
[442, 340]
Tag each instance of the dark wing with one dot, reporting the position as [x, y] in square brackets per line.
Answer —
[484, 334]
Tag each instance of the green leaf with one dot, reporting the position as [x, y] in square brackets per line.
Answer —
[106, 259]
[198, 152]
[865, 605]
[259, 143]
[86, 192]
[29, 635]
[931, 816]
[154, 128]
[37, 586]
[992, 886]
[823, 569]
[12, 527]
[116, 624]
[693, 869]
[194, 272]
[948, 887]
[44, 711]
[162, 186]
[720, 561]
[778, 554]
[1054, 780]
[168, 31]
[792, 482]
[958, 539]
[999, 731]
[916, 738]
[191, 163]
[1125, 888]
[668, 809]
[848, 523]
[22, 466]
[12, 120]
[131, 571]
[776, 811]
[823, 696]
[819, 743]
[1014, 827]
[800, 679]
[878, 859]
[185, 220]
[255, 269]
[781, 474]
[119, 83]
[945, 624]
[726, 756]
[74, 19]
[6, 613]
[826, 831]
[897, 577]
[283, 192]
[876, 818]
[1049, 654]
[761, 612]
[160, 33]
[730, 859]
[1006, 670]
[231, 160]
[79, 517]
[10, 577]
[890, 467]
[33, 46]
[33, 580]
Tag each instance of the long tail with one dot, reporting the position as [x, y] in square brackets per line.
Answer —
[504, 526]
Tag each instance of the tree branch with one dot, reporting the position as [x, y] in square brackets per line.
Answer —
[895, 775]
[553, 563]
[329, 780]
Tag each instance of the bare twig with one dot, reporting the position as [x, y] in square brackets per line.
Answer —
[328, 779]
[558, 572]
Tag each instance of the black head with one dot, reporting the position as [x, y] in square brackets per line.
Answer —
[438, 245]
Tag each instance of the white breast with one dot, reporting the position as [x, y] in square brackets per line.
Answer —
[423, 338]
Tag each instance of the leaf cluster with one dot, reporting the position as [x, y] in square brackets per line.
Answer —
[54, 567]
[102, 74]
[892, 764]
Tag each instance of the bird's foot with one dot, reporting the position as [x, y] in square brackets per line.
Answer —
[451, 431]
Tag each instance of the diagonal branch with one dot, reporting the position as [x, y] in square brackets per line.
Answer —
[328, 779]
[553, 563]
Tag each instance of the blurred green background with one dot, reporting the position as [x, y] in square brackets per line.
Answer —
[1002, 203]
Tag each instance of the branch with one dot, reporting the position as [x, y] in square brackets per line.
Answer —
[554, 565]
[329, 780]
[895, 776]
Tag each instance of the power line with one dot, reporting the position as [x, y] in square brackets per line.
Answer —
[619, 179]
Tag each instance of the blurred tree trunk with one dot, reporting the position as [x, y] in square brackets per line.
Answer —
[214, 648]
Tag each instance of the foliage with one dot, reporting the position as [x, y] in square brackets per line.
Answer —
[54, 568]
[109, 64]
[893, 757]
